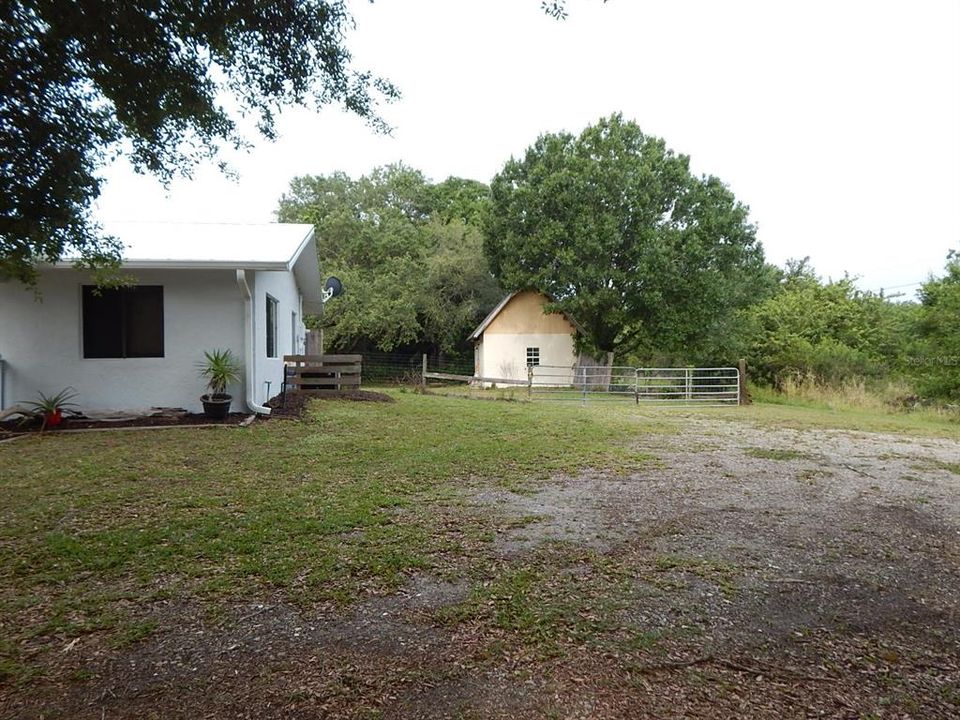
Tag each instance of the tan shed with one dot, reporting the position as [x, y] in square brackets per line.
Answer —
[517, 333]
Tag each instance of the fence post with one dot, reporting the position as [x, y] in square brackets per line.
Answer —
[688, 375]
[743, 397]
[423, 375]
[529, 382]
[636, 385]
[314, 343]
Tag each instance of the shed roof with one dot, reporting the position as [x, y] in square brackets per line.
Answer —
[475, 335]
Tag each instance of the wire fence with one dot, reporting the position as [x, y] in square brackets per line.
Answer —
[406, 369]
[644, 386]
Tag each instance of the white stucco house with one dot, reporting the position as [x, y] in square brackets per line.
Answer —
[193, 287]
[518, 333]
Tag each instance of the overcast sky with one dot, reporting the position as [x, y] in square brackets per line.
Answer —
[837, 122]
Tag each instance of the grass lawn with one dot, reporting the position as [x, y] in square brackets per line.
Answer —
[804, 414]
[771, 411]
[93, 525]
[351, 502]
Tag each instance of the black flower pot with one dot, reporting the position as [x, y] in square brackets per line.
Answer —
[216, 407]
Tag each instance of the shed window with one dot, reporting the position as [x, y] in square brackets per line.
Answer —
[533, 356]
[271, 327]
[123, 322]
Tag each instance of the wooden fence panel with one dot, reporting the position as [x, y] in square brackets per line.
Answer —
[322, 374]
[322, 359]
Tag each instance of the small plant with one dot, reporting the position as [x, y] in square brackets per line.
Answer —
[220, 368]
[49, 408]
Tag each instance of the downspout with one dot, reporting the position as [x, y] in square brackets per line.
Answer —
[301, 346]
[248, 344]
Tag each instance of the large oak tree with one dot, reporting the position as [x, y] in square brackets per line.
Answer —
[616, 228]
[81, 81]
[408, 252]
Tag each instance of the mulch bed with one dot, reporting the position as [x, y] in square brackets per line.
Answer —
[295, 403]
[292, 407]
[18, 427]
[359, 396]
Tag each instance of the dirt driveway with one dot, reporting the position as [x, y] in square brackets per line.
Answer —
[745, 572]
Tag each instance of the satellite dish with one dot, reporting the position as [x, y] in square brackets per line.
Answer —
[332, 288]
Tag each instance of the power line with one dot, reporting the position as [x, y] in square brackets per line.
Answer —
[905, 285]
[883, 290]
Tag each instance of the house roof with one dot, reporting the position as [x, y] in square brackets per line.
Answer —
[228, 246]
[265, 246]
[475, 335]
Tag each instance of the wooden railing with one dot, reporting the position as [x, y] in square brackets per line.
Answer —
[322, 374]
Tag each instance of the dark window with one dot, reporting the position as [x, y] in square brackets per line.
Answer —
[123, 322]
[533, 357]
[271, 327]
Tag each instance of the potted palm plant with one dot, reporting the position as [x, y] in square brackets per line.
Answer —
[49, 409]
[220, 368]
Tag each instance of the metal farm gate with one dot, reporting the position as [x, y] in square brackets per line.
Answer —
[702, 386]
[706, 386]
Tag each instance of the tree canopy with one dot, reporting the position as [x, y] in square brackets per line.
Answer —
[824, 332]
[936, 358]
[162, 82]
[614, 226]
[83, 81]
[411, 260]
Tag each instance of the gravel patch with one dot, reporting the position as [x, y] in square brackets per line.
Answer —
[851, 531]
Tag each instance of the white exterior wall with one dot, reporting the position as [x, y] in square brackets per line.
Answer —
[282, 287]
[504, 355]
[40, 341]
